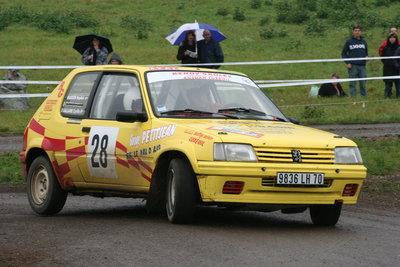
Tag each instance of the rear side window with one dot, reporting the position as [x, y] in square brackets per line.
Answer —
[76, 102]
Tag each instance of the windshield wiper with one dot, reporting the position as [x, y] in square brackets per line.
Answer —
[245, 110]
[195, 111]
[251, 111]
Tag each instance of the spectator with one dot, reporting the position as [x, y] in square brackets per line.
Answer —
[390, 67]
[115, 60]
[392, 30]
[21, 103]
[209, 50]
[356, 47]
[187, 51]
[96, 54]
[331, 89]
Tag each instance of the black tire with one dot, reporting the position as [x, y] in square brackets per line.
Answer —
[182, 192]
[44, 192]
[325, 215]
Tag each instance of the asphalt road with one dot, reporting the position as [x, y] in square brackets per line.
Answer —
[118, 232]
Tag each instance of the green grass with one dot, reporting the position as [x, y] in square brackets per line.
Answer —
[10, 170]
[26, 44]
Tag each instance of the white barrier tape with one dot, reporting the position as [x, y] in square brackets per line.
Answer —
[283, 61]
[216, 63]
[22, 95]
[290, 81]
[327, 81]
[29, 82]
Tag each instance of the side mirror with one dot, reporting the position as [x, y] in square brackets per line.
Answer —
[294, 120]
[126, 116]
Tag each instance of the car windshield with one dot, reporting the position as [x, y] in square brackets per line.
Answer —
[209, 94]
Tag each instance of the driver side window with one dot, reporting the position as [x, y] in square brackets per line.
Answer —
[116, 92]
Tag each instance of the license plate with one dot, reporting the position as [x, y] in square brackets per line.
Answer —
[300, 178]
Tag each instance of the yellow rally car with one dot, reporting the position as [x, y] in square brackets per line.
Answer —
[183, 137]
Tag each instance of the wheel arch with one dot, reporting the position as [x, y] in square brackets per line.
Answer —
[157, 192]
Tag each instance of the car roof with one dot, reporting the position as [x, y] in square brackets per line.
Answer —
[144, 68]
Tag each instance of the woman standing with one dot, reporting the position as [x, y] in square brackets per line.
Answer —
[96, 54]
[187, 49]
[390, 67]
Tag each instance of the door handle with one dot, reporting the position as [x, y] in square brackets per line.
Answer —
[85, 129]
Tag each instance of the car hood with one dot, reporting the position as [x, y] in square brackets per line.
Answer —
[270, 133]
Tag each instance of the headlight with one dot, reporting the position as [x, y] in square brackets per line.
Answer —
[347, 155]
[234, 152]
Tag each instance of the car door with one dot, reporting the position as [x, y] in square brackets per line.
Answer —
[111, 147]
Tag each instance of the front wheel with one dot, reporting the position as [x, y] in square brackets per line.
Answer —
[182, 191]
[44, 192]
[325, 215]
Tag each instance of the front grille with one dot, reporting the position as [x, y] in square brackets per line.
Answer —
[284, 155]
[271, 181]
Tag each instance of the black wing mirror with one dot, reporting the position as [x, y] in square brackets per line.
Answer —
[126, 116]
[294, 120]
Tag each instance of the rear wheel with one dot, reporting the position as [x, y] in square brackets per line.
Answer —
[44, 192]
[325, 215]
[182, 191]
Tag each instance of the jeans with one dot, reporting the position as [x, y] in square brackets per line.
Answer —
[358, 71]
[388, 88]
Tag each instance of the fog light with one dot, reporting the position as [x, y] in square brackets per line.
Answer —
[233, 187]
[350, 190]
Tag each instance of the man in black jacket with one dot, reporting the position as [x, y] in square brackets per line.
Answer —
[209, 51]
[353, 48]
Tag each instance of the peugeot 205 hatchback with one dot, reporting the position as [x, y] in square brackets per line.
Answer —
[180, 138]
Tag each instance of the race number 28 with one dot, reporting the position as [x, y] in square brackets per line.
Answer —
[101, 151]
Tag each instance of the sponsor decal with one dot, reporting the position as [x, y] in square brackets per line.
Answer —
[61, 89]
[158, 133]
[236, 131]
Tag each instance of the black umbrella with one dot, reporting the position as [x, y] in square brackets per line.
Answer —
[82, 42]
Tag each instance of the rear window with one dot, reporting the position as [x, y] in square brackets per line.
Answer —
[76, 101]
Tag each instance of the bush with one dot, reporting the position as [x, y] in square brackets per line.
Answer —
[4, 22]
[81, 20]
[18, 14]
[140, 26]
[255, 4]
[315, 27]
[382, 2]
[268, 2]
[222, 11]
[312, 112]
[239, 14]
[54, 22]
[264, 21]
[291, 13]
[269, 33]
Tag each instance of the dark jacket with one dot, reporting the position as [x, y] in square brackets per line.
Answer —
[327, 89]
[186, 59]
[355, 48]
[210, 52]
[389, 65]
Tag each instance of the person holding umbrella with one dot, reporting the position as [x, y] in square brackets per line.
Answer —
[95, 54]
[209, 51]
[187, 49]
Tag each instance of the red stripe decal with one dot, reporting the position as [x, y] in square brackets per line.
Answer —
[121, 146]
[71, 137]
[63, 169]
[145, 166]
[36, 127]
[122, 162]
[134, 163]
[75, 152]
[86, 140]
[53, 144]
[146, 177]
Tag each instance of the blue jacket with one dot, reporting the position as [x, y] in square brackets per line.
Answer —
[210, 52]
[355, 48]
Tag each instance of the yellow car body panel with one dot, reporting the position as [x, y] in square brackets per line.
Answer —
[134, 150]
